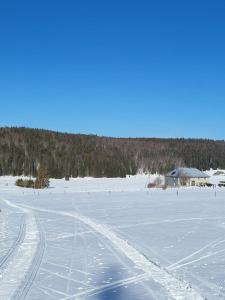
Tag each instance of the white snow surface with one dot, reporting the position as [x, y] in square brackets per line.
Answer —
[12, 275]
[111, 239]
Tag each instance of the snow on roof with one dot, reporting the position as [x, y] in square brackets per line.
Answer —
[187, 172]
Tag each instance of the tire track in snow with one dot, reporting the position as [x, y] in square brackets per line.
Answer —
[21, 260]
[176, 289]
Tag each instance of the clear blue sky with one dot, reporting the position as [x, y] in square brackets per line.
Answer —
[118, 68]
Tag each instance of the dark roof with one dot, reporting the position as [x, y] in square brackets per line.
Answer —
[187, 173]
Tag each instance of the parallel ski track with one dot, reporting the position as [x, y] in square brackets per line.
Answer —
[23, 290]
[6, 258]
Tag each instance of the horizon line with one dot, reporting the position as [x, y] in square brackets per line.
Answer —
[109, 136]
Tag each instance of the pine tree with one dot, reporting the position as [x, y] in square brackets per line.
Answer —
[42, 179]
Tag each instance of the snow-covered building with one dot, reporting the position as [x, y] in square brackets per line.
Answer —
[186, 177]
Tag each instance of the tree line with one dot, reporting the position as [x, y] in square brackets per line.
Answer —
[23, 150]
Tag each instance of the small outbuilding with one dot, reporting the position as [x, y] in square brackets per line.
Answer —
[186, 177]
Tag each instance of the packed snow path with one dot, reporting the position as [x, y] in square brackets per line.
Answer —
[176, 289]
[16, 266]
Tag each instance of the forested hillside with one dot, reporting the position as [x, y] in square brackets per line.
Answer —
[22, 150]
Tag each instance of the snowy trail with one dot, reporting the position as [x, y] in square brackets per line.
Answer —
[13, 274]
[107, 244]
[30, 276]
[176, 289]
[6, 258]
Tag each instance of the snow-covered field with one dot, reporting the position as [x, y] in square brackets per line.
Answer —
[111, 239]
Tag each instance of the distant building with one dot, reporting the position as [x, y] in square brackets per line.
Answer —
[186, 177]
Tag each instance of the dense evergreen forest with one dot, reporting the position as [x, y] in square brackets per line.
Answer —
[23, 150]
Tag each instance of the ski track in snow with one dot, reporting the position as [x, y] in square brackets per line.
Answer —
[6, 258]
[107, 244]
[105, 287]
[29, 278]
[168, 221]
[176, 289]
[68, 278]
[3, 228]
[212, 244]
[13, 274]
[197, 259]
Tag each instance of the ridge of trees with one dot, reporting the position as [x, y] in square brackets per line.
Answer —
[22, 150]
